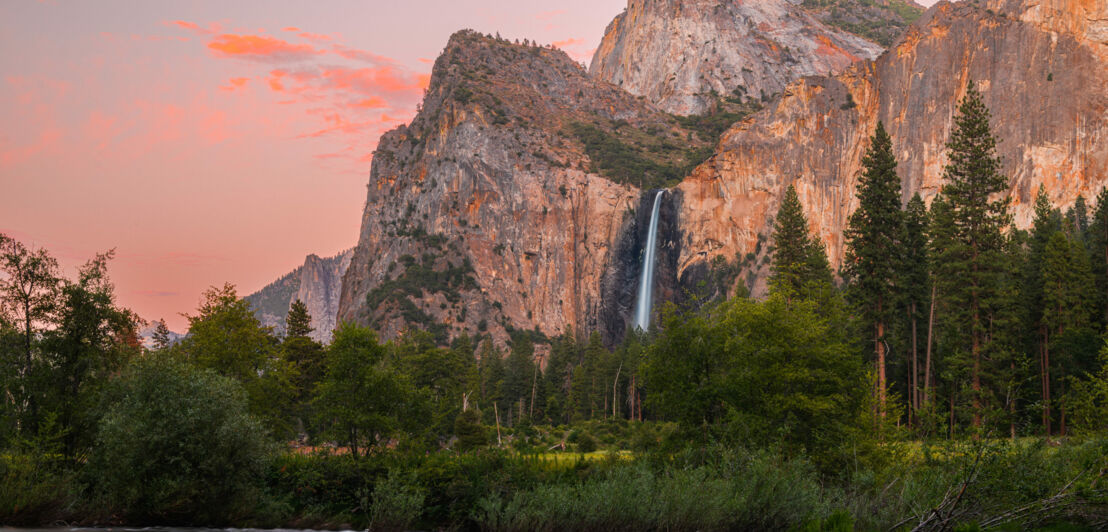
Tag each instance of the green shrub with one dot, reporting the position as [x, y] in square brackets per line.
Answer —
[397, 503]
[176, 445]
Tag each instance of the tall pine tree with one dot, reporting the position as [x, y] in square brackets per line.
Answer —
[971, 177]
[873, 237]
[915, 289]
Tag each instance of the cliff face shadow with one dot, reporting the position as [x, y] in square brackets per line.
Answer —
[620, 283]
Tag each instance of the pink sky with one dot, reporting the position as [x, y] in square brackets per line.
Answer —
[213, 141]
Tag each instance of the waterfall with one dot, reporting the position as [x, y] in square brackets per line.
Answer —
[646, 281]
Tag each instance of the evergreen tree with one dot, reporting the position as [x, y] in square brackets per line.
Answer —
[971, 177]
[873, 239]
[160, 336]
[1098, 254]
[914, 274]
[298, 323]
[1066, 314]
[1046, 224]
[800, 266]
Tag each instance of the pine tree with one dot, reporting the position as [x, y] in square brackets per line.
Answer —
[800, 265]
[1047, 223]
[873, 237]
[971, 177]
[915, 281]
[160, 337]
[1098, 255]
[298, 323]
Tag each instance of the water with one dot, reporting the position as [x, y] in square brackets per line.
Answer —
[646, 282]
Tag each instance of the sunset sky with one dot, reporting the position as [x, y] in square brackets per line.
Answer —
[214, 141]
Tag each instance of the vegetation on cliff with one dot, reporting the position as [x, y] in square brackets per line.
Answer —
[880, 21]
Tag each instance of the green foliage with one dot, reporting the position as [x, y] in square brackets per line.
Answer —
[469, 431]
[800, 267]
[739, 491]
[360, 402]
[434, 273]
[176, 444]
[767, 373]
[972, 257]
[397, 503]
[298, 323]
[226, 336]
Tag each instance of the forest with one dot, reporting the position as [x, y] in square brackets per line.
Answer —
[953, 375]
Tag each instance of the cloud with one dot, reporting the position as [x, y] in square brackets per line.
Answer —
[261, 48]
[195, 28]
[575, 48]
[235, 84]
[356, 95]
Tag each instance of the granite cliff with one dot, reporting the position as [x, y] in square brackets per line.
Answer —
[317, 283]
[516, 200]
[681, 54]
[1041, 66]
[507, 203]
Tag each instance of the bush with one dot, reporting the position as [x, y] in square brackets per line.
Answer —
[397, 503]
[586, 443]
[176, 445]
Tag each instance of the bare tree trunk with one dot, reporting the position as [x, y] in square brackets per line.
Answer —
[976, 369]
[1046, 383]
[915, 366]
[879, 339]
[930, 333]
[615, 396]
[534, 384]
[496, 412]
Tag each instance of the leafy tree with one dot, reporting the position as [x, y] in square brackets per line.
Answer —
[873, 237]
[765, 372]
[360, 402]
[92, 341]
[176, 444]
[443, 376]
[227, 337]
[971, 177]
[29, 290]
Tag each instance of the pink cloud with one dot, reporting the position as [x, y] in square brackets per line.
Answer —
[260, 47]
[235, 84]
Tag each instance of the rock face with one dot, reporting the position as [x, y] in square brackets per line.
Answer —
[676, 53]
[485, 215]
[318, 283]
[881, 21]
[1040, 65]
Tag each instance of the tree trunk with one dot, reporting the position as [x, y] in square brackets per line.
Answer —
[879, 339]
[976, 369]
[1046, 383]
[930, 333]
[913, 413]
[615, 395]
